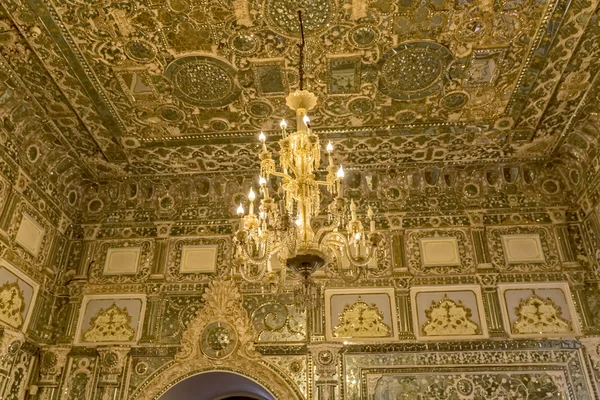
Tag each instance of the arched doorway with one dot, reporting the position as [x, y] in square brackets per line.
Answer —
[217, 385]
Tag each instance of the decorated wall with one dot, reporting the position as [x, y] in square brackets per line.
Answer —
[128, 138]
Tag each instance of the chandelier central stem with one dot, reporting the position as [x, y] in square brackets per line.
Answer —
[301, 48]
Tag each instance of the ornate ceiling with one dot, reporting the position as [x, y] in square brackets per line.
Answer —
[105, 89]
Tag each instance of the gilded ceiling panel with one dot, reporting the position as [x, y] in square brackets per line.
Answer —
[178, 86]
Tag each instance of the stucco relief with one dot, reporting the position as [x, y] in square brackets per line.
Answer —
[110, 325]
[449, 318]
[207, 337]
[538, 315]
[12, 304]
[361, 320]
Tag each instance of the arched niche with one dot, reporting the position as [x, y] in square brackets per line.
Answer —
[220, 338]
[217, 385]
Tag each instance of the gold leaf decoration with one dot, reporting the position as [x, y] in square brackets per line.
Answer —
[360, 320]
[446, 318]
[12, 304]
[537, 315]
[112, 325]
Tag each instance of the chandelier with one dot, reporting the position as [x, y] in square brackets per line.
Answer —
[280, 225]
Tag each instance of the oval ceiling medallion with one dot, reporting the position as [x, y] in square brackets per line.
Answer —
[363, 36]
[203, 81]
[140, 50]
[282, 16]
[413, 70]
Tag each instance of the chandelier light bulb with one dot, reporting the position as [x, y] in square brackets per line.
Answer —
[283, 124]
[329, 147]
[262, 181]
[306, 119]
[262, 137]
[357, 236]
[299, 221]
[251, 195]
[240, 210]
[340, 173]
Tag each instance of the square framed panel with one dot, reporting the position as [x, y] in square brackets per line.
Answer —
[360, 315]
[198, 259]
[122, 260]
[523, 248]
[30, 235]
[439, 251]
[448, 313]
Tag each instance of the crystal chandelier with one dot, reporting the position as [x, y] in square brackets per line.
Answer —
[281, 224]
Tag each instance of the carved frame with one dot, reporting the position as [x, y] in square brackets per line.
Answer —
[34, 285]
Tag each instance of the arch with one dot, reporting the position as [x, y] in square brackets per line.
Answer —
[222, 304]
[216, 385]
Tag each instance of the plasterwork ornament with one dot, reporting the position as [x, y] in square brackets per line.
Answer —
[465, 251]
[550, 251]
[222, 316]
[539, 316]
[52, 363]
[361, 320]
[449, 318]
[110, 325]
[12, 304]
[592, 345]
[10, 342]
[112, 361]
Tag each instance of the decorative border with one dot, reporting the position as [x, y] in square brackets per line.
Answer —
[96, 272]
[390, 292]
[34, 285]
[473, 355]
[563, 286]
[82, 310]
[507, 238]
[475, 289]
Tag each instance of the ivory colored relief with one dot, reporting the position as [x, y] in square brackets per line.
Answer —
[538, 315]
[17, 294]
[361, 320]
[538, 309]
[449, 318]
[110, 325]
[454, 313]
[110, 320]
[360, 314]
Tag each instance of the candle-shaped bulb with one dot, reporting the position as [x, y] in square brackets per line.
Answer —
[357, 236]
[306, 119]
[299, 221]
[262, 137]
[340, 172]
[262, 181]
[329, 147]
[251, 195]
[370, 213]
[240, 210]
[283, 124]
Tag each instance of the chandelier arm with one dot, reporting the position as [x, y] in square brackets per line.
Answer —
[280, 174]
[260, 260]
[324, 230]
[356, 271]
[346, 246]
[252, 279]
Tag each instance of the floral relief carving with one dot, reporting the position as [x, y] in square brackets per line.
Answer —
[220, 336]
[447, 317]
[361, 320]
[537, 315]
[110, 325]
[12, 304]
